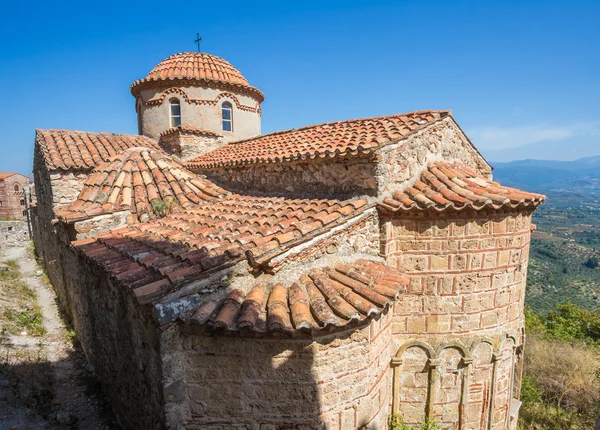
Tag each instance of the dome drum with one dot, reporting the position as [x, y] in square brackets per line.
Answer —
[200, 90]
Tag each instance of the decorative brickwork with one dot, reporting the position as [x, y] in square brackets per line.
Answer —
[468, 276]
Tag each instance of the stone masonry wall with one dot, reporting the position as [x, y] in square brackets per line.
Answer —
[187, 146]
[336, 381]
[117, 336]
[443, 140]
[459, 328]
[317, 178]
[13, 233]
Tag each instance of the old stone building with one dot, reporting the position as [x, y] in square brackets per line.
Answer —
[326, 277]
[12, 195]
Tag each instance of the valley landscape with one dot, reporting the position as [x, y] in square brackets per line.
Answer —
[561, 385]
[566, 245]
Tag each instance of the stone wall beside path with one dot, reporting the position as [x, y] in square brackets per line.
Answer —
[13, 233]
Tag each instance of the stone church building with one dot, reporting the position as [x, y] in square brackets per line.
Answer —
[12, 195]
[326, 277]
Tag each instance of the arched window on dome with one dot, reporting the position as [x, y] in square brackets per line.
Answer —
[227, 116]
[175, 112]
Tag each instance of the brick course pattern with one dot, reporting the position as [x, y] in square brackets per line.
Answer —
[468, 273]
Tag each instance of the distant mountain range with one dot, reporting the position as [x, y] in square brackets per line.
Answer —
[582, 175]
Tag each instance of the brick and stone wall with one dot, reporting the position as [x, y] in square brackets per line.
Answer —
[13, 233]
[317, 178]
[12, 196]
[118, 336]
[404, 161]
[187, 145]
[459, 328]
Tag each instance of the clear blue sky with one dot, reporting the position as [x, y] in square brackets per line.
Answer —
[522, 78]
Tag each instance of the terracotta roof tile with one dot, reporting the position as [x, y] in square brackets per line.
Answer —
[142, 181]
[334, 139]
[444, 185]
[69, 149]
[200, 67]
[211, 235]
[324, 300]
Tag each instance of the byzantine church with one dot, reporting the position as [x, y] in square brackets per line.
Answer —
[336, 276]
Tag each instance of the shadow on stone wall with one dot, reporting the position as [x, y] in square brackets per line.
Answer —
[240, 382]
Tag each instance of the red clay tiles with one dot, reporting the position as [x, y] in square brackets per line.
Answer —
[153, 257]
[145, 182]
[453, 186]
[323, 299]
[334, 139]
[195, 66]
[69, 149]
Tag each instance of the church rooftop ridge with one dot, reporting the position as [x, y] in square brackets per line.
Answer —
[359, 136]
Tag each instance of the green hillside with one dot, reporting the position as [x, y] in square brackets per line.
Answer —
[565, 251]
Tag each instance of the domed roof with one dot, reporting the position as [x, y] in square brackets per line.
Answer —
[196, 68]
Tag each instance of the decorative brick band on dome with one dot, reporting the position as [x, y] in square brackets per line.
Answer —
[330, 140]
[146, 182]
[189, 129]
[322, 300]
[444, 186]
[196, 68]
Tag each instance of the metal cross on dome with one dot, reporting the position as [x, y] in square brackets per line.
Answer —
[198, 40]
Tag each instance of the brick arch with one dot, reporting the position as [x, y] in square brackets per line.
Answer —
[417, 343]
[479, 340]
[457, 344]
[412, 378]
[167, 92]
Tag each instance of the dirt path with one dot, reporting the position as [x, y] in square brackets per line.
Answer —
[44, 383]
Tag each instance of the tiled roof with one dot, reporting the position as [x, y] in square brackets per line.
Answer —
[188, 129]
[69, 149]
[326, 298]
[196, 66]
[155, 257]
[6, 175]
[444, 185]
[334, 139]
[145, 182]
